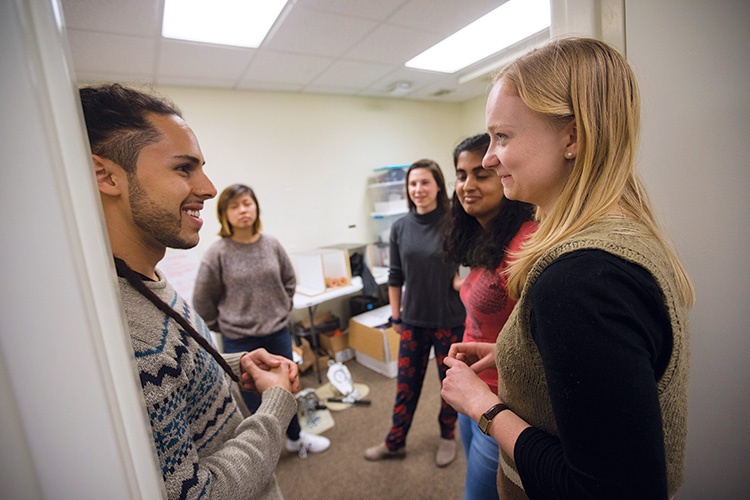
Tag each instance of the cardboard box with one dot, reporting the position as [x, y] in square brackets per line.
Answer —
[344, 355]
[375, 341]
[308, 357]
[337, 347]
[389, 370]
[317, 269]
[305, 352]
[334, 343]
[324, 322]
[323, 363]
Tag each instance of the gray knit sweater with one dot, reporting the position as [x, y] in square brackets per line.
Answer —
[245, 289]
[206, 449]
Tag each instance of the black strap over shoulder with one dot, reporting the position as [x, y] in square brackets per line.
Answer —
[136, 282]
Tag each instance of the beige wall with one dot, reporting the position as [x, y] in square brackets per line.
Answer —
[472, 115]
[309, 156]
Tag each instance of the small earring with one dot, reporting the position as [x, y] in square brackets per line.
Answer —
[569, 155]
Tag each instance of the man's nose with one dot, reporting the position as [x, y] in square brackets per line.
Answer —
[204, 187]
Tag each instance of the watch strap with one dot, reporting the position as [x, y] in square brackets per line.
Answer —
[486, 418]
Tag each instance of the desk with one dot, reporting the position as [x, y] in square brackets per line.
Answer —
[301, 301]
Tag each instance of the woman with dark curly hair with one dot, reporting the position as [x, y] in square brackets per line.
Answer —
[484, 229]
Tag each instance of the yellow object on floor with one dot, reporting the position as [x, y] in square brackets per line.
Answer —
[312, 419]
[327, 390]
[321, 421]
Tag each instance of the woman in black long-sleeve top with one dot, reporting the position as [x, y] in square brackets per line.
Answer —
[593, 361]
[429, 314]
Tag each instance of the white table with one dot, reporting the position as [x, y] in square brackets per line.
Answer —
[301, 301]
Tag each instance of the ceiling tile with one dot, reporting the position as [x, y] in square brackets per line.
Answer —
[285, 68]
[271, 87]
[444, 89]
[416, 77]
[189, 59]
[379, 10]
[131, 17]
[309, 31]
[321, 46]
[329, 89]
[134, 79]
[352, 74]
[389, 43]
[442, 16]
[196, 81]
[96, 52]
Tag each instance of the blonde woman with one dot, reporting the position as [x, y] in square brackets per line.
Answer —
[593, 361]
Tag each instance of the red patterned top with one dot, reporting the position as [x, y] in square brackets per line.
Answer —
[485, 296]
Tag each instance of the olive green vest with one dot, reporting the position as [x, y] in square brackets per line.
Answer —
[522, 383]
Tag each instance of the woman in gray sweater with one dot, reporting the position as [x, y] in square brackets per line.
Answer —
[244, 291]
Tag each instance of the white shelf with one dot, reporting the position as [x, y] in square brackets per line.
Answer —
[382, 215]
[377, 185]
[390, 201]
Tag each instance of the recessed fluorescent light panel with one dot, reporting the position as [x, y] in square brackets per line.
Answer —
[241, 23]
[510, 23]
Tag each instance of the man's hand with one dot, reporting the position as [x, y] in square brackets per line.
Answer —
[261, 370]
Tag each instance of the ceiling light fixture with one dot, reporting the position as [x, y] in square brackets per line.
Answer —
[510, 23]
[241, 23]
[399, 88]
[506, 56]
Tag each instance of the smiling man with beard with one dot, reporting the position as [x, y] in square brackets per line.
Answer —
[149, 171]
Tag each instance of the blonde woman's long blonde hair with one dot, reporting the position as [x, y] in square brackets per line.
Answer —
[590, 82]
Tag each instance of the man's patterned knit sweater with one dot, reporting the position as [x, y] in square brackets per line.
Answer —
[206, 449]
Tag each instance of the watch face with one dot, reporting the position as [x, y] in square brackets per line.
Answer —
[486, 418]
[483, 424]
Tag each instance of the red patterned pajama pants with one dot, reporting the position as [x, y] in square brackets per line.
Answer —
[413, 357]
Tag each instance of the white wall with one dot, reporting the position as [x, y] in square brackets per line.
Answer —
[693, 62]
[72, 422]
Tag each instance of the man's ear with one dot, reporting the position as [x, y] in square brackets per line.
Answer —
[109, 176]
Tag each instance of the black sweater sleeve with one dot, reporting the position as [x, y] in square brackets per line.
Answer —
[604, 335]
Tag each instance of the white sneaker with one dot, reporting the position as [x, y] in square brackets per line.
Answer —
[308, 443]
